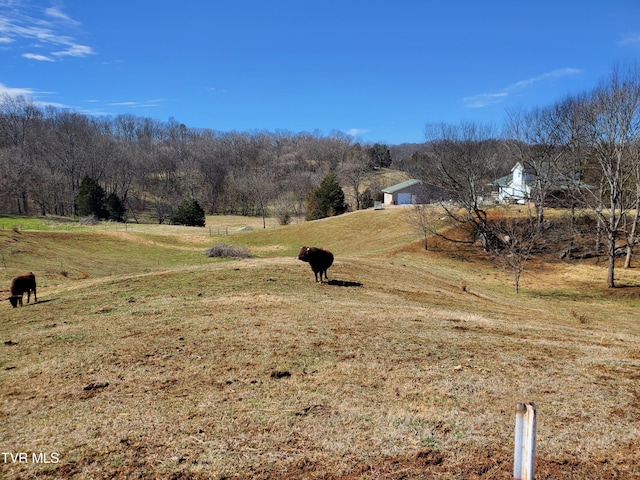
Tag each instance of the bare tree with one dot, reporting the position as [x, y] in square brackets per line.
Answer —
[422, 219]
[209, 156]
[354, 171]
[612, 117]
[463, 159]
[537, 145]
[634, 216]
[261, 188]
[519, 237]
[69, 139]
[19, 119]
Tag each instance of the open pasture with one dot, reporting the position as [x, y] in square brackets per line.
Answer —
[145, 359]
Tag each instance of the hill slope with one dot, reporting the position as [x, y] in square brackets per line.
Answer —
[144, 359]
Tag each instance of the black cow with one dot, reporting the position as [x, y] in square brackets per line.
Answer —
[20, 285]
[319, 259]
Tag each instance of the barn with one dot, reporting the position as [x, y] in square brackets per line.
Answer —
[405, 193]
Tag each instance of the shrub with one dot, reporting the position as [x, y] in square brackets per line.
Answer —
[284, 218]
[223, 250]
[91, 220]
[284, 208]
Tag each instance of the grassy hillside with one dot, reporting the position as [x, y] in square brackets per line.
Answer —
[145, 359]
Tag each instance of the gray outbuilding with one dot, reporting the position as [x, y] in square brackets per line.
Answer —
[405, 193]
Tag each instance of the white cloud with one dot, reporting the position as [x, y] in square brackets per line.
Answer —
[145, 104]
[486, 99]
[354, 132]
[544, 77]
[75, 51]
[216, 90]
[630, 40]
[58, 14]
[14, 92]
[50, 28]
[31, 94]
[52, 104]
[34, 56]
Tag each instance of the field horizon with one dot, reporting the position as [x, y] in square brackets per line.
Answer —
[143, 358]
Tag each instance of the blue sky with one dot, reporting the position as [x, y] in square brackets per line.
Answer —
[377, 70]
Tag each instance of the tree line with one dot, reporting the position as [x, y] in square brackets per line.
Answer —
[144, 165]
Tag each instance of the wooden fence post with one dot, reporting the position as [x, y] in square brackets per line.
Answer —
[525, 442]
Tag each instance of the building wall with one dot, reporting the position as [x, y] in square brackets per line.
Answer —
[415, 191]
[517, 189]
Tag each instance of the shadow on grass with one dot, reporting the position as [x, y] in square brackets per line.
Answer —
[45, 301]
[33, 304]
[344, 283]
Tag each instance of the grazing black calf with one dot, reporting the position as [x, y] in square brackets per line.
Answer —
[319, 259]
[20, 285]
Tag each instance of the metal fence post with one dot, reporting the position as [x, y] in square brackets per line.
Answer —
[525, 441]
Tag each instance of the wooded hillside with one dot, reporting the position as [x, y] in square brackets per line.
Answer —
[151, 165]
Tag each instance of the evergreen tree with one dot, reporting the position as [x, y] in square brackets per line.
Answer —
[379, 156]
[90, 199]
[313, 205]
[190, 213]
[327, 200]
[114, 208]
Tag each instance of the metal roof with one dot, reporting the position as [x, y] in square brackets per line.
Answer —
[401, 186]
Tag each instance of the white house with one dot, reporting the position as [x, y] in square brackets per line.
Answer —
[515, 187]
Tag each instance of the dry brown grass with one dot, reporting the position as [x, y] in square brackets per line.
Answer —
[249, 369]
